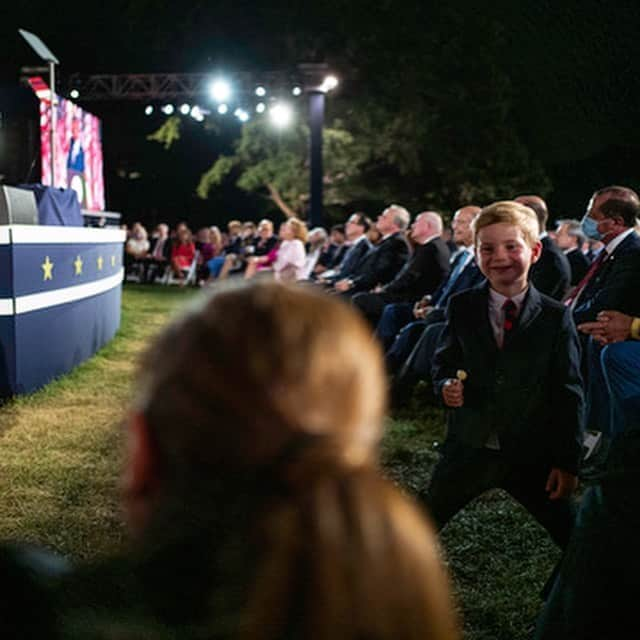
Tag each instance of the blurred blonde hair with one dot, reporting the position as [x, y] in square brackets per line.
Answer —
[299, 228]
[509, 212]
[339, 552]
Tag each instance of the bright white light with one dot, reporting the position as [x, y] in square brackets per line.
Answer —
[281, 114]
[196, 112]
[222, 109]
[220, 90]
[260, 107]
[168, 109]
[185, 109]
[330, 82]
[296, 91]
[199, 117]
[148, 110]
[241, 114]
[74, 93]
[261, 91]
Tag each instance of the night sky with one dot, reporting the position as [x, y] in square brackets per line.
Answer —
[570, 70]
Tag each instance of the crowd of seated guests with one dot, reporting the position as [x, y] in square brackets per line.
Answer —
[528, 337]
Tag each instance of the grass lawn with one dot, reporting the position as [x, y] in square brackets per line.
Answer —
[60, 459]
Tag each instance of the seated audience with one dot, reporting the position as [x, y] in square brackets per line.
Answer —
[422, 273]
[159, 255]
[182, 253]
[569, 238]
[383, 261]
[358, 246]
[316, 241]
[263, 519]
[333, 251]
[551, 275]
[289, 264]
[136, 248]
[613, 280]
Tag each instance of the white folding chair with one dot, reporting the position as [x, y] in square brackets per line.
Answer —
[189, 274]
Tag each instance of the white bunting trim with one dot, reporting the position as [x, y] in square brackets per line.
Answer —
[39, 234]
[46, 299]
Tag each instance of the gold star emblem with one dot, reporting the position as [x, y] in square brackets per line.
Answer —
[47, 269]
[100, 262]
[77, 263]
[113, 261]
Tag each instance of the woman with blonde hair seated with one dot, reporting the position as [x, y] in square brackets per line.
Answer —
[253, 490]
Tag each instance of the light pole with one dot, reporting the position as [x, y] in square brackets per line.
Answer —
[45, 53]
[317, 91]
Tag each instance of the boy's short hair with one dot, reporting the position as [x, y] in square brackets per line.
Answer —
[514, 213]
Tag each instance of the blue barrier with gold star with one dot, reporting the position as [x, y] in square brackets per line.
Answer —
[60, 294]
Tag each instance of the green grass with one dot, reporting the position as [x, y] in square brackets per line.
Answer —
[61, 456]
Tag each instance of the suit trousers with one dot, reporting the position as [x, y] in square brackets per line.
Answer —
[464, 473]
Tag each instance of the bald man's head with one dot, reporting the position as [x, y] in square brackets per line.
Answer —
[426, 224]
[461, 225]
[539, 206]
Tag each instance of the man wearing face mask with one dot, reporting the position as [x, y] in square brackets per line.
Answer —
[613, 280]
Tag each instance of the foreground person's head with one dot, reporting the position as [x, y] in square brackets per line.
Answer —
[259, 412]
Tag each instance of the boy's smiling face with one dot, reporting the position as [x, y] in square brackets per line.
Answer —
[504, 257]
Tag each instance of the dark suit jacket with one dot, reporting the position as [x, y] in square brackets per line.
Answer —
[579, 264]
[353, 257]
[616, 284]
[421, 274]
[166, 249]
[551, 275]
[381, 264]
[529, 392]
[470, 277]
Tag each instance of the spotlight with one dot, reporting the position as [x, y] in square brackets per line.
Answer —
[222, 109]
[241, 114]
[260, 107]
[74, 93]
[148, 110]
[196, 112]
[261, 91]
[330, 82]
[168, 109]
[185, 109]
[281, 114]
[296, 91]
[220, 90]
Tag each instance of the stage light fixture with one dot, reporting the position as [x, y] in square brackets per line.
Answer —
[280, 114]
[261, 91]
[148, 110]
[330, 82]
[74, 93]
[241, 114]
[260, 107]
[296, 91]
[168, 109]
[220, 90]
[222, 109]
[185, 109]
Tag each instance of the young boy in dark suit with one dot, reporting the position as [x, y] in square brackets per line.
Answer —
[508, 367]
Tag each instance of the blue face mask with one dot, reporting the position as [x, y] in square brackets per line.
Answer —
[590, 228]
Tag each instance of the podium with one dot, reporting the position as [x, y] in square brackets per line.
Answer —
[60, 297]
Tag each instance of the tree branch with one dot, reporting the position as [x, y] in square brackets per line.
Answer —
[274, 194]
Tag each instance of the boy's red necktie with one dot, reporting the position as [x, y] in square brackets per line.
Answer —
[509, 307]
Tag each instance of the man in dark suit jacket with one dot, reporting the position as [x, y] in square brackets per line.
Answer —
[385, 259]
[356, 229]
[423, 272]
[570, 238]
[159, 255]
[615, 281]
[551, 275]
[508, 367]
